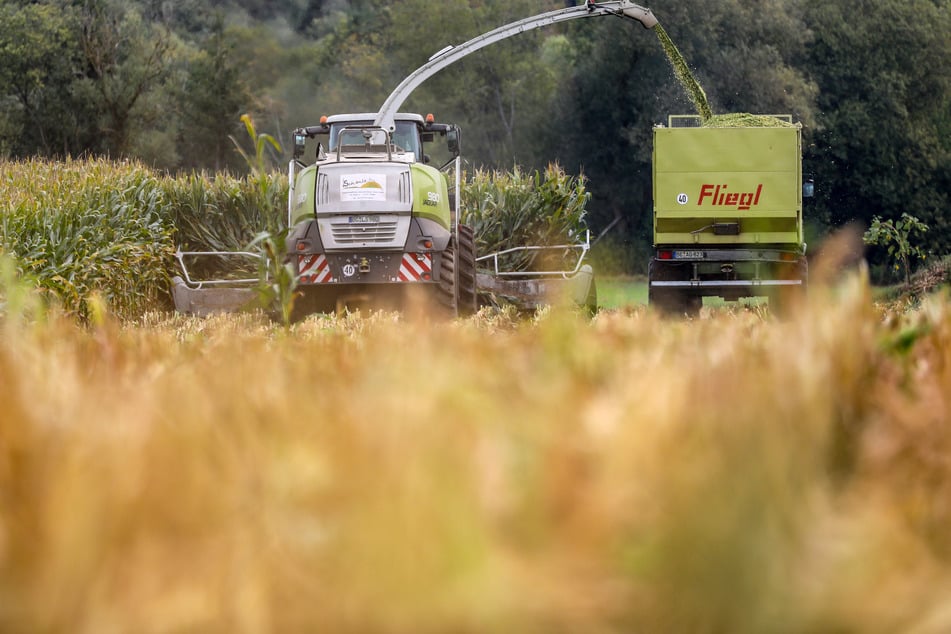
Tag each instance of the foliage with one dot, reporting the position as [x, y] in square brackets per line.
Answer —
[258, 162]
[39, 54]
[214, 94]
[882, 146]
[624, 474]
[20, 303]
[84, 227]
[897, 237]
[277, 279]
[223, 213]
[517, 208]
[80, 227]
[125, 58]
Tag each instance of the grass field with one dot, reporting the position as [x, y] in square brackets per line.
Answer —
[621, 292]
[630, 292]
[385, 473]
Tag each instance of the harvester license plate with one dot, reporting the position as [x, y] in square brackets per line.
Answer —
[363, 220]
[688, 255]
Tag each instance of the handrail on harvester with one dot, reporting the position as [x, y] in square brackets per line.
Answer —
[584, 247]
[451, 54]
[198, 284]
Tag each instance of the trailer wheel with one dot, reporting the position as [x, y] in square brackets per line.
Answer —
[786, 300]
[674, 302]
[467, 296]
[670, 301]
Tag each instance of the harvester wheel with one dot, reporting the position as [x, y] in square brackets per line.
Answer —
[447, 280]
[467, 296]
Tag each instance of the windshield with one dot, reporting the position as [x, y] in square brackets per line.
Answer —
[405, 137]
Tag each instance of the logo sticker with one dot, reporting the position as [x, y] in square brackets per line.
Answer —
[432, 199]
[356, 187]
[720, 196]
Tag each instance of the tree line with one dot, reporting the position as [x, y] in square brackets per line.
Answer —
[167, 83]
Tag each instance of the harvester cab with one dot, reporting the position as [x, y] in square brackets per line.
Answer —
[405, 143]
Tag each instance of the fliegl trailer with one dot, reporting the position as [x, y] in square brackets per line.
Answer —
[727, 213]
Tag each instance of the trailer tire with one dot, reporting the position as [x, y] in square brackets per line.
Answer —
[785, 301]
[670, 301]
[674, 302]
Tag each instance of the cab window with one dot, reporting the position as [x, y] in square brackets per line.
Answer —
[406, 136]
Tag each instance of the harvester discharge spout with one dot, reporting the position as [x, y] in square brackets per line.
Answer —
[641, 14]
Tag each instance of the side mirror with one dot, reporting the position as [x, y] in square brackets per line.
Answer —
[453, 141]
[808, 188]
[299, 141]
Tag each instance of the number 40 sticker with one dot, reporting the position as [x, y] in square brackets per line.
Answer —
[682, 198]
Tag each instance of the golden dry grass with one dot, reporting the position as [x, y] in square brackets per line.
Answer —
[383, 474]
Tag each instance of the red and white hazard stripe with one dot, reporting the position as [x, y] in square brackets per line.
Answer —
[416, 266]
[314, 269]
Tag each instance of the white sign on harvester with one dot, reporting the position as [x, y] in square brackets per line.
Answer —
[356, 187]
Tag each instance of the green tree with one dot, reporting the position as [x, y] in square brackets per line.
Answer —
[126, 58]
[39, 57]
[214, 95]
[883, 143]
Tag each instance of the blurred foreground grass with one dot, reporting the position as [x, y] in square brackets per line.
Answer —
[381, 474]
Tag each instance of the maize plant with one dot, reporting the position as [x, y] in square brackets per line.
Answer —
[518, 208]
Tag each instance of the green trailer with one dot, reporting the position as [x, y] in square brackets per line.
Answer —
[727, 213]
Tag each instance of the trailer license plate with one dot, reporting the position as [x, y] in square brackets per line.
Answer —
[688, 255]
[363, 220]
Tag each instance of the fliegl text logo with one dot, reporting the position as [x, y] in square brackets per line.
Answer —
[720, 196]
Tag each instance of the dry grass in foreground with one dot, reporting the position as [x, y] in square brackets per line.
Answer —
[730, 474]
